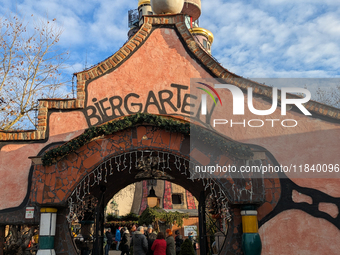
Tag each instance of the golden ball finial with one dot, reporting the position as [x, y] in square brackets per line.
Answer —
[141, 2]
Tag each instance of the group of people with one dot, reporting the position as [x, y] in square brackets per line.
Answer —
[145, 241]
[122, 239]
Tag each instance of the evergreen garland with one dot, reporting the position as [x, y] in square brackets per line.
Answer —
[152, 215]
[169, 124]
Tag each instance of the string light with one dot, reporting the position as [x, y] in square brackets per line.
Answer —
[130, 163]
[124, 160]
[111, 169]
[105, 180]
[82, 191]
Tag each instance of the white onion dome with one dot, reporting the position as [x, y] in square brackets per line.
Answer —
[167, 6]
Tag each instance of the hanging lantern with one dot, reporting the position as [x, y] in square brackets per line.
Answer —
[152, 198]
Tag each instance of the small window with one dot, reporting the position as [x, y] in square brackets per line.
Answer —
[205, 44]
[140, 13]
[150, 13]
[176, 199]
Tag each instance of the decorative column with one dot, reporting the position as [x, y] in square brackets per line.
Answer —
[251, 241]
[48, 218]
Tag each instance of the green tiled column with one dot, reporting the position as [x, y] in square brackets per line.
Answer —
[251, 241]
[48, 218]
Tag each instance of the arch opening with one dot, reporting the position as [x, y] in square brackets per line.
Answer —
[121, 170]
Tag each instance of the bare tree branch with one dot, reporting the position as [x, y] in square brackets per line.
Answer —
[30, 64]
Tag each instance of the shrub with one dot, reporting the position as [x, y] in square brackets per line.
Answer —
[187, 248]
[112, 217]
[130, 217]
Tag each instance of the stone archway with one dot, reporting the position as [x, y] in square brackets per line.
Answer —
[121, 170]
[53, 185]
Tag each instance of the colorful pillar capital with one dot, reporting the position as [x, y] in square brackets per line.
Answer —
[47, 228]
[251, 241]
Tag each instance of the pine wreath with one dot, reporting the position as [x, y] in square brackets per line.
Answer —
[209, 138]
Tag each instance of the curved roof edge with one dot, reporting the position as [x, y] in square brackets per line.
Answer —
[131, 46]
[177, 20]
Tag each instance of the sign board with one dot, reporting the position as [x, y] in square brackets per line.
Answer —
[29, 213]
[188, 229]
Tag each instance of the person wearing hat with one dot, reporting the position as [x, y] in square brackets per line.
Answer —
[178, 241]
[170, 243]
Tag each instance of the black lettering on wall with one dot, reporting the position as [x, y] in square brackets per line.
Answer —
[89, 117]
[166, 100]
[179, 87]
[94, 100]
[152, 100]
[186, 103]
[126, 106]
[106, 116]
[116, 107]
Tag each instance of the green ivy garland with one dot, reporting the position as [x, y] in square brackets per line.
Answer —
[171, 125]
[152, 215]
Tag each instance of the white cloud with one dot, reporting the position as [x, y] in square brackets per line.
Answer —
[265, 38]
[273, 38]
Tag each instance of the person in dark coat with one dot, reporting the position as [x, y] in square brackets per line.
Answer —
[139, 242]
[109, 241]
[170, 243]
[178, 242]
[151, 236]
[125, 243]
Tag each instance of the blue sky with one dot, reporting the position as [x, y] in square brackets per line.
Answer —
[263, 38]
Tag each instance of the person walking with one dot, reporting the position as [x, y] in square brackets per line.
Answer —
[170, 243]
[117, 238]
[151, 236]
[139, 242]
[125, 243]
[178, 242]
[109, 241]
[159, 245]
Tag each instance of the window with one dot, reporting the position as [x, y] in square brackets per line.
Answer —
[177, 199]
[205, 44]
[150, 13]
[187, 21]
